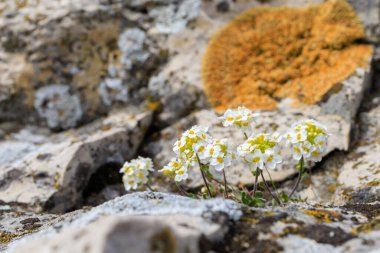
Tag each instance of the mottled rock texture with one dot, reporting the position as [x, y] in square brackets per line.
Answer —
[157, 222]
[52, 176]
[65, 63]
[102, 53]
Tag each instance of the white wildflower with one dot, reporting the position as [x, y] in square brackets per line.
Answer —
[308, 139]
[136, 172]
[219, 155]
[261, 151]
[241, 117]
[192, 141]
[176, 169]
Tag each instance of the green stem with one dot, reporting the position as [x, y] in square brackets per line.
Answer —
[271, 180]
[204, 180]
[225, 185]
[219, 182]
[203, 176]
[256, 182]
[268, 189]
[300, 173]
[181, 189]
[245, 135]
[150, 188]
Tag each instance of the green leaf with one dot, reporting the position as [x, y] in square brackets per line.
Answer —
[253, 201]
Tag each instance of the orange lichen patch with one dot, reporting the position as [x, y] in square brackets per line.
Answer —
[266, 54]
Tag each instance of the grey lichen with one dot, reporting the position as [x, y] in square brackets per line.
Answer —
[57, 106]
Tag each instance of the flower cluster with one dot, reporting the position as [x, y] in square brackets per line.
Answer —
[308, 139]
[136, 172]
[176, 169]
[218, 154]
[241, 117]
[191, 142]
[196, 145]
[261, 151]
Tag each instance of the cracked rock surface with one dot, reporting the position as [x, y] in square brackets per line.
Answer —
[86, 85]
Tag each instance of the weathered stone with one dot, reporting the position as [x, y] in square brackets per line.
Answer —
[141, 222]
[173, 18]
[13, 150]
[368, 12]
[76, 44]
[55, 105]
[150, 222]
[55, 174]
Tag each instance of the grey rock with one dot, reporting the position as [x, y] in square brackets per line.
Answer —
[112, 89]
[131, 43]
[11, 151]
[368, 12]
[57, 106]
[145, 222]
[174, 18]
[151, 221]
[347, 101]
[55, 174]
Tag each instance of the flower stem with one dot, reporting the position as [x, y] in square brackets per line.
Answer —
[225, 185]
[221, 183]
[268, 189]
[204, 180]
[245, 135]
[256, 182]
[183, 192]
[300, 173]
[271, 180]
[203, 176]
[150, 187]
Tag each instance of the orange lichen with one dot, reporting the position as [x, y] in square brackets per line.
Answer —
[266, 54]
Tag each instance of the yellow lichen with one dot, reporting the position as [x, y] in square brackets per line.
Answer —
[266, 54]
[331, 188]
[323, 216]
[373, 183]
[368, 227]
[6, 237]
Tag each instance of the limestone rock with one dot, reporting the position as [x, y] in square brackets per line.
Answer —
[55, 105]
[359, 179]
[369, 14]
[13, 150]
[141, 222]
[158, 222]
[54, 175]
[100, 50]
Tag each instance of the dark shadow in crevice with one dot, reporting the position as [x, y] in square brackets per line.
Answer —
[105, 184]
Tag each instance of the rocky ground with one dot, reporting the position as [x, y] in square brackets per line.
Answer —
[86, 85]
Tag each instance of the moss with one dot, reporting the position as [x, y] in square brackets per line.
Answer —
[266, 54]
[323, 216]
